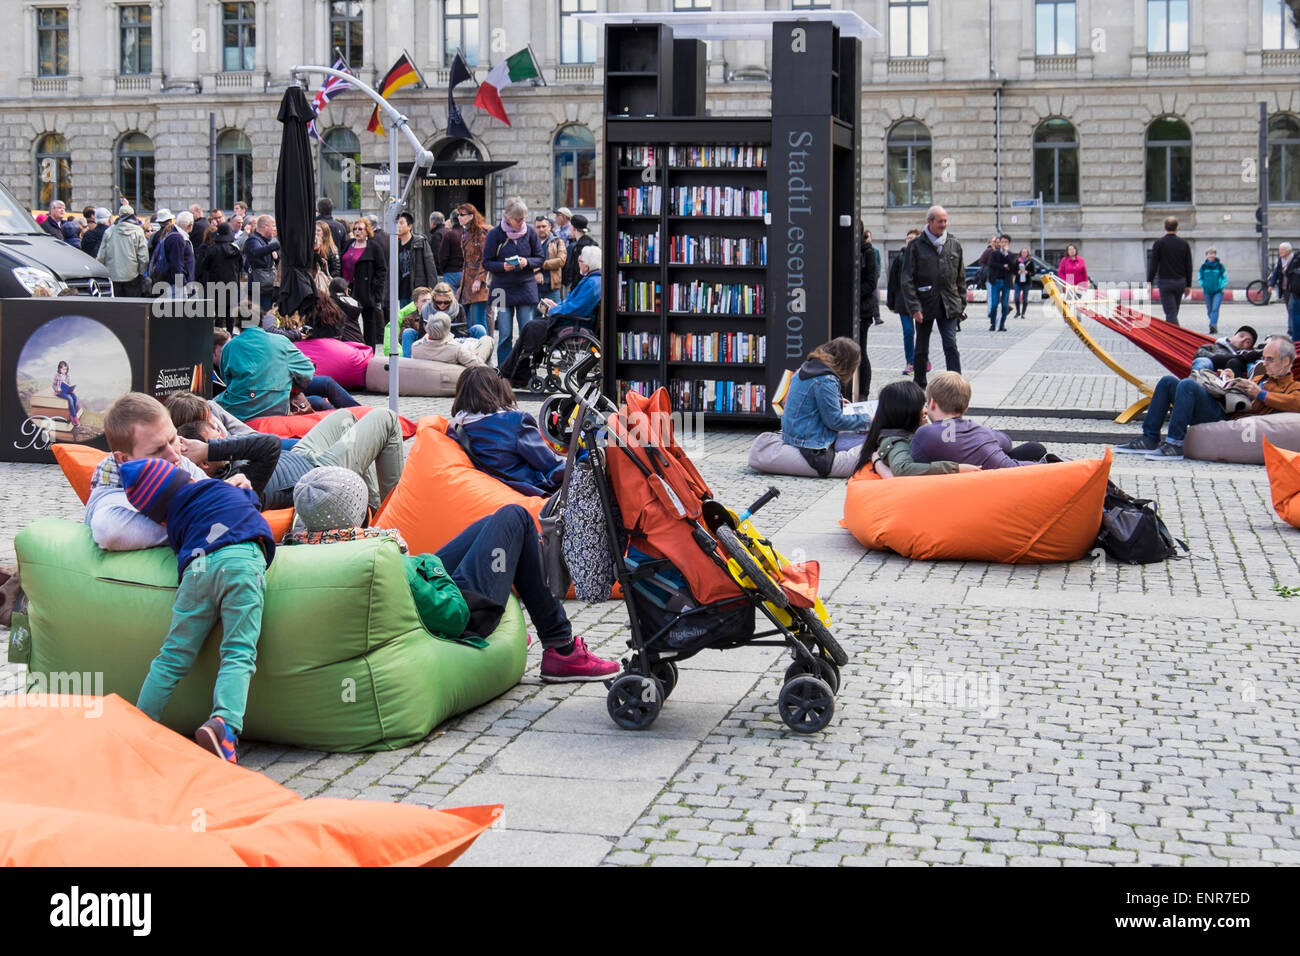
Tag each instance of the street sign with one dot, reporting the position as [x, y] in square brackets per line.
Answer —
[1028, 203]
[383, 182]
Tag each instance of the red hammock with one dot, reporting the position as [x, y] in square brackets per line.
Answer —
[1171, 345]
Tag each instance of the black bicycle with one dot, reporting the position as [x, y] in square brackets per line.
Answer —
[1258, 292]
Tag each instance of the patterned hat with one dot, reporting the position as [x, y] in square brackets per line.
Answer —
[329, 498]
[150, 485]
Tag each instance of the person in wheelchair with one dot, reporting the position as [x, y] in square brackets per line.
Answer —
[580, 305]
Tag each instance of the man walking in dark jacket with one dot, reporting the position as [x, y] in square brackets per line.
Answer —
[868, 308]
[1170, 269]
[261, 251]
[415, 266]
[934, 290]
[1001, 266]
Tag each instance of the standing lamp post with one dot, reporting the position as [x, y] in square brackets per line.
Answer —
[423, 160]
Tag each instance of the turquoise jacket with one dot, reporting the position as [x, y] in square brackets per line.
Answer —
[1213, 276]
[260, 369]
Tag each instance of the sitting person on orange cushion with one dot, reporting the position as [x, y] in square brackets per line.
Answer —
[502, 441]
[899, 413]
[950, 437]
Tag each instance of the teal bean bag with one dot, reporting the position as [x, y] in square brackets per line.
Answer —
[343, 663]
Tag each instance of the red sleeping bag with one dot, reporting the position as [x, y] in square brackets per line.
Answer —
[296, 426]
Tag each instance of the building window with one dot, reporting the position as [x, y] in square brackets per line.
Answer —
[1167, 26]
[1054, 28]
[52, 41]
[53, 170]
[1279, 30]
[340, 170]
[907, 161]
[909, 28]
[135, 32]
[1169, 161]
[234, 169]
[810, 4]
[135, 171]
[238, 37]
[346, 31]
[1056, 162]
[575, 168]
[1283, 158]
[577, 40]
[688, 5]
[460, 31]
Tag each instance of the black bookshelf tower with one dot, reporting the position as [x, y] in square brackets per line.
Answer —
[731, 249]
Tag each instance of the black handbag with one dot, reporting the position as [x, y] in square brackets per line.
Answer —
[1132, 530]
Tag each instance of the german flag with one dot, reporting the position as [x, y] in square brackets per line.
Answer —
[402, 74]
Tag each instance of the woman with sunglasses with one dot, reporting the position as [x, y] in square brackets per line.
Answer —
[473, 292]
[364, 270]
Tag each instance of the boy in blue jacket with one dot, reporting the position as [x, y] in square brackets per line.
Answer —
[223, 546]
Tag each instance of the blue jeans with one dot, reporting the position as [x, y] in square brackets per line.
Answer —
[506, 319]
[322, 386]
[1212, 302]
[408, 339]
[999, 292]
[1184, 403]
[1022, 298]
[453, 279]
[1293, 318]
[909, 336]
[1199, 363]
[476, 314]
[68, 393]
[501, 552]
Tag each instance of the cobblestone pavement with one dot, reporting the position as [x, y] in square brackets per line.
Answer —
[1081, 713]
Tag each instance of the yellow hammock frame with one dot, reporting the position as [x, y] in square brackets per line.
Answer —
[1051, 290]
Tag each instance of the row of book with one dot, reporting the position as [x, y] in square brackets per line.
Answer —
[638, 155]
[640, 200]
[717, 201]
[734, 298]
[717, 347]
[643, 387]
[717, 251]
[744, 157]
[638, 346]
[710, 395]
[641, 249]
[639, 295]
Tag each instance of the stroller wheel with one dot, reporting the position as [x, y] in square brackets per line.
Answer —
[826, 670]
[635, 701]
[822, 635]
[806, 704]
[769, 589]
[666, 673]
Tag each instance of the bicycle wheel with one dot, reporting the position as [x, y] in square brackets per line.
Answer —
[1258, 292]
[731, 544]
[568, 348]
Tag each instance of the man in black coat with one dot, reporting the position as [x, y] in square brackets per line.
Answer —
[1170, 269]
[415, 266]
[868, 309]
[933, 287]
[339, 232]
[437, 229]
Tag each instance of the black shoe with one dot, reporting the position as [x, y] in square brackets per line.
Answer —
[1138, 446]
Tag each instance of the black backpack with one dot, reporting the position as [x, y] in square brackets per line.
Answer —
[1131, 530]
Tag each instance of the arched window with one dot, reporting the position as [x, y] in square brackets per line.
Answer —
[234, 169]
[53, 170]
[1169, 161]
[1283, 158]
[135, 171]
[1056, 161]
[907, 164]
[340, 170]
[575, 167]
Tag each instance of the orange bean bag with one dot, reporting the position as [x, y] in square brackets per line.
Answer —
[1283, 469]
[78, 463]
[441, 492]
[1028, 515]
[296, 426]
[122, 790]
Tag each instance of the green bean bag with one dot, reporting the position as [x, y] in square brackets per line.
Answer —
[343, 663]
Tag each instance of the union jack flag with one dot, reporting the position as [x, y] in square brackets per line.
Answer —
[331, 88]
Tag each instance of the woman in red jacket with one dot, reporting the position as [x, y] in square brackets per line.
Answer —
[1072, 270]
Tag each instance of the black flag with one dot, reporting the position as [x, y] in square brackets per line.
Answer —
[459, 74]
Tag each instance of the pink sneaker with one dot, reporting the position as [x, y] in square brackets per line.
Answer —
[579, 665]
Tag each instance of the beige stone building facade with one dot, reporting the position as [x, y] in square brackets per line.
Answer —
[1120, 111]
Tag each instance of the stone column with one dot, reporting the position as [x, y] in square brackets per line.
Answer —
[369, 43]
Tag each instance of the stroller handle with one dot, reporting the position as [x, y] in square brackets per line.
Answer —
[764, 498]
[578, 369]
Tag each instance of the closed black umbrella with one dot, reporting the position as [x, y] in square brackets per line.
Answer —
[295, 207]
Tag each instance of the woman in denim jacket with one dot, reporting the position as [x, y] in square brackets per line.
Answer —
[814, 419]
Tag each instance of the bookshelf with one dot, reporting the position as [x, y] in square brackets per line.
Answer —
[690, 237]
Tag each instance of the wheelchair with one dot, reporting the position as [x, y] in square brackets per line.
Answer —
[566, 343]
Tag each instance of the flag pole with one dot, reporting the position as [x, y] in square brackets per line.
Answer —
[537, 66]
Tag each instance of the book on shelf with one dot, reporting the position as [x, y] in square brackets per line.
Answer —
[741, 347]
[638, 346]
[732, 298]
[720, 397]
[645, 388]
[718, 157]
[638, 156]
[638, 249]
[717, 251]
[640, 200]
[639, 295]
[717, 201]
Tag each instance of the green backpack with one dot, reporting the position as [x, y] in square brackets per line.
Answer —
[438, 600]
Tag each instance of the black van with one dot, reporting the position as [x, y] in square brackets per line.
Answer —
[30, 257]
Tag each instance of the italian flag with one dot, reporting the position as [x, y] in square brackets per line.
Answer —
[515, 69]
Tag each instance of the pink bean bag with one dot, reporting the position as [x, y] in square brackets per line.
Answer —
[345, 362]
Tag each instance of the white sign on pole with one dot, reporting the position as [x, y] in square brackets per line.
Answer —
[383, 183]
